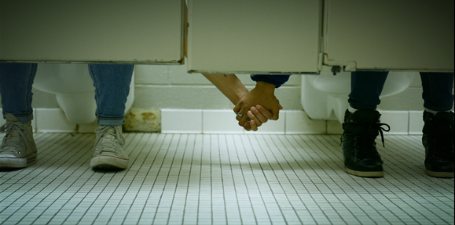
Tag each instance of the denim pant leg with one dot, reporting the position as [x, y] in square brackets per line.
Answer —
[437, 91]
[112, 86]
[366, 87]
[16, 80]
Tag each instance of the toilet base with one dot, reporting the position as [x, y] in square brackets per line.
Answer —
[70, 104]
[323, 106]
[325, 97]
[337, 106]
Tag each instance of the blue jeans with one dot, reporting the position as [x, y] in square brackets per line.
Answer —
[111, 81]
[367, 86]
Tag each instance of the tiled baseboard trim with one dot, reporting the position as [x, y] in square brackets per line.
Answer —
[223, 122]
[290, 122]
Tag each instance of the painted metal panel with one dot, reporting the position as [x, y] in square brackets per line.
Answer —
[254, 36]
[390, 34]
[139, 31]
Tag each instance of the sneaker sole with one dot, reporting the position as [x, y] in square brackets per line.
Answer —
[440, 174]
[108, 163]
[17, 163]
[370, 174]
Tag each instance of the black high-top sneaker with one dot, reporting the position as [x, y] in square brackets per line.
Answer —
[438, 142]
[361, 157]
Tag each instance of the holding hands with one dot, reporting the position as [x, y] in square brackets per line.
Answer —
[256, 116]
[252, 108]
[257, 106]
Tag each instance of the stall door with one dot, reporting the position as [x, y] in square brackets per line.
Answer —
[140, 31]
[254, 36]
[390, 34]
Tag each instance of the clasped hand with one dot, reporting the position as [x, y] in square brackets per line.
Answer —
[259, 105]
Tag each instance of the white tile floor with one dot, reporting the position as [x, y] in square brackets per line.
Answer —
[223, 179]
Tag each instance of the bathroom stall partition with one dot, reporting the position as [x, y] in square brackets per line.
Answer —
[101, 31]
[254, 36]
[312, 36]
[389, 35]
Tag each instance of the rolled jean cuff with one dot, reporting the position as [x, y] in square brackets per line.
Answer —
[446, 108]
[24, 118]
[364, 107]
[111, 121]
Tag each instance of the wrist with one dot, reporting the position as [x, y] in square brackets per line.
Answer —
[265, 87]
[239, 95]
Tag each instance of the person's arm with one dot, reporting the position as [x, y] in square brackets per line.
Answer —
[234, 90]
[229, 85]
[263, 94]
[277, 80]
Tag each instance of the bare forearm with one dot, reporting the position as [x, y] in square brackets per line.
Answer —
[229, 85]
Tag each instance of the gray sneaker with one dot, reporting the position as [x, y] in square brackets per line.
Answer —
[109, 153]
[18, 148]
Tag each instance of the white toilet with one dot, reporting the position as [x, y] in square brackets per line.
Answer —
[74, 90]
[325, 96]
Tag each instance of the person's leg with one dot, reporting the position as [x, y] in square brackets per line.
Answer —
[366, 87]
[18, 147]
[362, 125]
[437, 91]
[112, 84]
[438, 130]
[16, 80]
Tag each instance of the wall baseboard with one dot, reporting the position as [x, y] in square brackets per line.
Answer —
[290, 122]
[200, 121]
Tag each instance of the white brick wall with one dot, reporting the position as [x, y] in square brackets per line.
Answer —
[171, 87]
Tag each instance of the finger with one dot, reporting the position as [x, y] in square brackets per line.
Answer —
[238, 116]
[244, 115]
[267, 114]
[247, 126]
[258, 115]
[242, 121]
[253, 118]
[281, 107]
[253, 126]
[237, 108]
[276, 114]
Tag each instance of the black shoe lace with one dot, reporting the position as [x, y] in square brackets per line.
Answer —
[381, 131]
[363, 143]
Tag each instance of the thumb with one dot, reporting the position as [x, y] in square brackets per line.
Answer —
[237, 108]
[276, 113]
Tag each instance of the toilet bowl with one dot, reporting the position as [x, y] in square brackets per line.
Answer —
[325, 96]
[74, 90]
